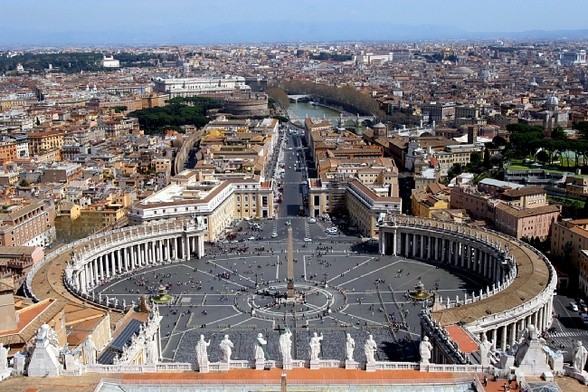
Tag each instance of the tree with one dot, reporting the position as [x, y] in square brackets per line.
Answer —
[582, 126]
[454, 171]
[475, 159]
[542, 156]
[558, 134]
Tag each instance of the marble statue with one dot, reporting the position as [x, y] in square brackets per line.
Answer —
[349, 347]
[580, 355]
[286, 345]
[226, 347]
[90, 351]
[3, 358]
[485, 350]
[425, 349]
[201, 351]
[369, 348]
[260, 342]
[315, 346]
[152, 352]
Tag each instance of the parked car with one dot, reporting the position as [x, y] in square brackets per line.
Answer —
[274, 234]
[312, 220]
[308, 239]
[252, 238]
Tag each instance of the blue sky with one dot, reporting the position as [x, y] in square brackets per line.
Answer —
[168, 19]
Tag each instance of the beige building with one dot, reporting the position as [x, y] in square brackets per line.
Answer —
[41, 142]
[577, 185]
[526, 222]
[217, 202]
[434, 197]
[512, 208]
[583, 272]
[366, 206]
[28, 223]
[568, 239]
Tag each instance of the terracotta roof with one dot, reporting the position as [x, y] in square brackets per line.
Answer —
[526, 212]
[524, 191]
[29, 321]
[464, 341]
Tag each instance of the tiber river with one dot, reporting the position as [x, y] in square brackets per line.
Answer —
[300, 110]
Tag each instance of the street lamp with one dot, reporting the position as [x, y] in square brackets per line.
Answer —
[256, 275]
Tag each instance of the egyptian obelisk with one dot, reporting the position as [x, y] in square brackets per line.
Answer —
[290, 265]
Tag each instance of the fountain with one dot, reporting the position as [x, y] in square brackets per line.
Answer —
[419, 293]
[162, 297]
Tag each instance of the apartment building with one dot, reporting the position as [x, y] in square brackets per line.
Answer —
[41, 142]
[63, 173]
[439, 112]
[433, 198]
[523, 222]
[8, 151]
[27, 223]
[513, 209]
[577, 185]
[583, 272]
[16, 261]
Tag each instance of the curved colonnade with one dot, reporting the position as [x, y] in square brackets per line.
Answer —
[103, 257]
[520, 281]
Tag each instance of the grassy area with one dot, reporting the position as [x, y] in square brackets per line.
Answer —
[566, 201]
[547, 168]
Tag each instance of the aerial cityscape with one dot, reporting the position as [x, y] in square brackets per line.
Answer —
[312, 196]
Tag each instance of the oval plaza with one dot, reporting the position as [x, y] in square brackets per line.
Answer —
[519, 281]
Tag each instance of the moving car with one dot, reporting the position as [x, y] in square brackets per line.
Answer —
[274, 235]
[252, 238]
[308, 239]
[312, 220]
[573, 306]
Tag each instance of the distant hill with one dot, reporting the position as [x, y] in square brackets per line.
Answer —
[284, 31]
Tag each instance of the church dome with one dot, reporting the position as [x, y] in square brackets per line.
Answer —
[552, 101]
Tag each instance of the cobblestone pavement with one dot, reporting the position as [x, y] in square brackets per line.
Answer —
[365, 294]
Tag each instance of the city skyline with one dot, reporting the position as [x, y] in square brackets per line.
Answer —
[65, 22]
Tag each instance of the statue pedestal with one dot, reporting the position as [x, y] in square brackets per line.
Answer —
[370, 367]
[224, 366]
[315, 364]
[44, 360]
[259, 364]
[5, 373]
[287, 365]
[424, 366]
[351, 364]
[580, 376]
[19, 362]
[204, 368]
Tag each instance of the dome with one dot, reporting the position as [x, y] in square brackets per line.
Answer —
[379, 125]
[552, 101]
[485, 74]
[464, 71]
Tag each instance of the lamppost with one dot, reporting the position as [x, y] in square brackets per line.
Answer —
[325, 275]
[256, 275]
